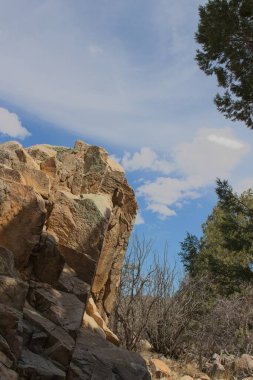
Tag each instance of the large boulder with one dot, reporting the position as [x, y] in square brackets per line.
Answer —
[65, 220]
[95, 358]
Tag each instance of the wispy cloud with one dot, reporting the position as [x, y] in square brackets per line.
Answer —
[10, 125]
[202, 160]
[123, 73]
[120, 72]
[146, 159]
[196, 165]
[162, 210]
[226, 142]
[162, 194]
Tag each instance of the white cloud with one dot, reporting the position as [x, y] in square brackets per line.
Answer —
[122, 73]
[146, 158]
[157, 191]
[196, 165]
[139, 219]
[202, 160]
[163, 211]
[165, 192]
[10, 125]
[226, 142]
[118, 72]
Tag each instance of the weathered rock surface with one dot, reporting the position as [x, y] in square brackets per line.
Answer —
[33, 366]
[69, 282]
[7, 374]
[22, 217]
[95, 358]
[65, 219]
[98, 323]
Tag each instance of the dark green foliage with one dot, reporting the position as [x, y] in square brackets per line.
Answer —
[225, 254]
[237, 221]
[225, 33]
[190, 248]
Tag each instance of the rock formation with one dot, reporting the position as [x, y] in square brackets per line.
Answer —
[65, 219]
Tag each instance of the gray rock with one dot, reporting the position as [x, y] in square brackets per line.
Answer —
[6, 352]
[95, 358]
[63, 309]
[13, 292]
[58, 345]
[69, 282]
[34, 367]
[7, 373]
[11, 328]
[47, 260]
[7, 267]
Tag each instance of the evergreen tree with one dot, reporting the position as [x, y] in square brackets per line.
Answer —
[225, 254]
[225, 33]
[190, 248]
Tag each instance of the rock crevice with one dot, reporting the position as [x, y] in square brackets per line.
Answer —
[65, 220]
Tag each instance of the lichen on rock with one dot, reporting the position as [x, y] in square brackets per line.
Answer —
[65, 220]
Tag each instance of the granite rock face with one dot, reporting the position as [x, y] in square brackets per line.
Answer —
[65, 219]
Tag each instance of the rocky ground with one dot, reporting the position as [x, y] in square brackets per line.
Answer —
[220, 367]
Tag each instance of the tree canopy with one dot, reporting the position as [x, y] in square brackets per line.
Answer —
[224, 254]
[225, 34]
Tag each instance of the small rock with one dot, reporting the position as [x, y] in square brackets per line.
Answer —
[159, 368]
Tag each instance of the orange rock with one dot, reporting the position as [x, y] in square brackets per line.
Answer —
[66, 215]
[93, 313]
[159, 368]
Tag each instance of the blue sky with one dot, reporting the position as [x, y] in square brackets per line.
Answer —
[121, 74]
